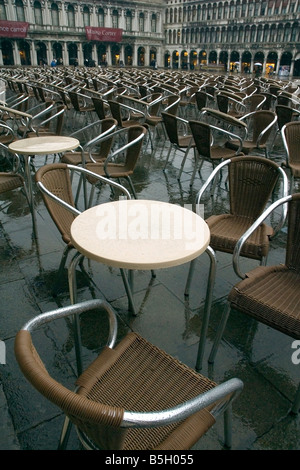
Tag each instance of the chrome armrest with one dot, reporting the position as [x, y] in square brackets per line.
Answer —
[236, 253]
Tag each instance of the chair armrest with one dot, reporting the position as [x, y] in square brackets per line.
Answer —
[236, 253]
[120, 150]
[77, 309]
[101, 178]
[132, 108]
[222, 395]
[231, 135]
[208, 181]
[49, 119]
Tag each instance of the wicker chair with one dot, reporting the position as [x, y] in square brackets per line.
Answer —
[88, 137]
[251, 184]
[55, 184]
[284, 114]
[11, 180]
[51, 123]
[134, 396]
[128, 156]
[291, 139]
[270, 294]
[214, 153]
[82, 106]
[179, 136]
[260, 123]
[232, 105]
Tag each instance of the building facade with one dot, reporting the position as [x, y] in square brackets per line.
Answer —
[240, 35]
[33, 32]
[237, 35]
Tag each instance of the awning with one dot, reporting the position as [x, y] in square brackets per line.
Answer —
[13, 29]
[103, 34]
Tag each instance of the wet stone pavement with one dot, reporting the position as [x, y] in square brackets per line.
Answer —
[250, 351]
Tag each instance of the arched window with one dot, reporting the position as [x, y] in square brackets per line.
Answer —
[101, 18]
[153, 23]
[142, 22]
[180, 15]
[128, 20]
[86, 16]
[174, 37]
[263, 9]
[252, 36]
[257, 8]
[244, 8]
[234, 34]
[287, 33]
[194, 13]
[192, 35]
[178, 36]
[259, 33]
[214, 14]
[273, 33]
[266, 33]
[241, 34]
[226, 10]
[279, 33]
[295, 32]
[175, 15]
[220, 11]
[71, 16]
[115, 19]
[247, 34]
[223, 35]
[20, 10]
[187, 37]
[54, 14]
[38, 13]
[2, 11]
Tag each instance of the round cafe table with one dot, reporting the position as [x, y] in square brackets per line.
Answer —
[137, 235]
[34, 146]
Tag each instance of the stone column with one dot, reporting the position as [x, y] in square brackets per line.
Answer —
[80, 54]
[17, 60]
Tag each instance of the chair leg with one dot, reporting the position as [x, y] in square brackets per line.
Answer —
[73, 299]
[65, 434]
[60, 269]
[296, 405]
[128, 292]
[228, 427]
[219, 334]
[190, 276]
[207, 307]
[195, 169]
[131, 187]
[168, 156]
